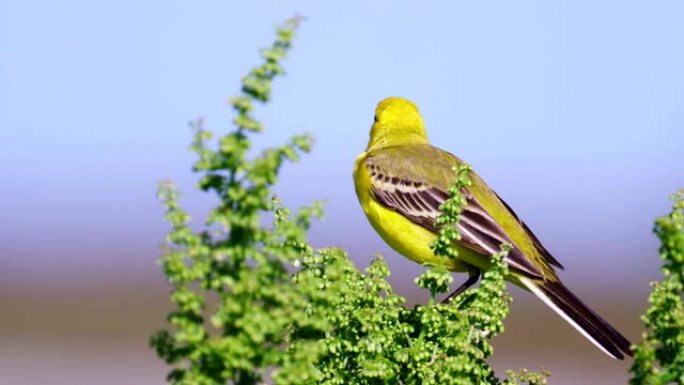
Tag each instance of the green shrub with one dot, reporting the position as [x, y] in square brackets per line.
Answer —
[659, 359]
[257, 303]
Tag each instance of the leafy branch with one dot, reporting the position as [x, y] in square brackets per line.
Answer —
[659, 359]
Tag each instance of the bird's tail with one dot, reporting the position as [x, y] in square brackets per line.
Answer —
[559, 298]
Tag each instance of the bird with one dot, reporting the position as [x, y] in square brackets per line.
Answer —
[401, 180]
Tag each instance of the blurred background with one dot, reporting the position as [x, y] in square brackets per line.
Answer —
[572, 111]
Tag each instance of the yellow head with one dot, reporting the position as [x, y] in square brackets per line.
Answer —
[397, 121]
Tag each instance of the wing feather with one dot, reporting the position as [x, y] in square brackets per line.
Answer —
[421, 203]
[535, 241]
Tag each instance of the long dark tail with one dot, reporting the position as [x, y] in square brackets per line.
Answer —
[591, 325]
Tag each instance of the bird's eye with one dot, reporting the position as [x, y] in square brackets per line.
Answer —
[375, 118]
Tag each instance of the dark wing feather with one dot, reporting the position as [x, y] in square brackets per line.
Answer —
[420, 203]
[535, 241]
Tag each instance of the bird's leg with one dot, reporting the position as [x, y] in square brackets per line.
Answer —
[473, 277]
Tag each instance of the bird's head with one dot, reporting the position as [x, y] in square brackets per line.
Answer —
[397, 122]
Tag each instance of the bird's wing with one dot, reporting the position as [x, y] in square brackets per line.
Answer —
[535, 241]
[402, 182]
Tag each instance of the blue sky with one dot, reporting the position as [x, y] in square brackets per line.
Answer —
[571, 110]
